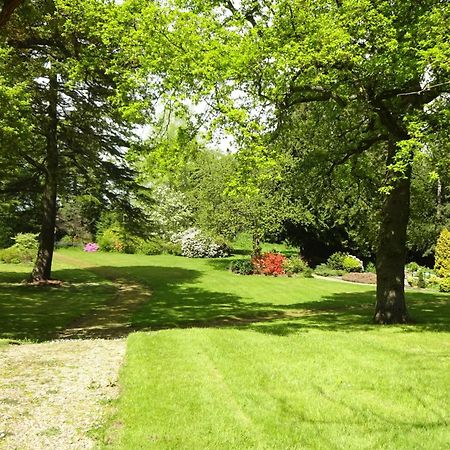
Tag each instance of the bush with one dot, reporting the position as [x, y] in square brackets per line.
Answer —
[352, 264]
[269, 263]
[110, 240]
[15, 255]
[370, 267]
[344, 261]
[421, 282]
[422, 278]
[197, 244]
[412, 267]
[23, 251]
[444, 285]
[295, 265]
[308, 273]
[442, 255]
[242, 266]
[172, 248]
[149, 247]
[69, 241]
[336, 261]
[26, 241]
[324, 271]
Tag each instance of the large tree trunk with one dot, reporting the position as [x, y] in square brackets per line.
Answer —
[391, 254]
[43, 265]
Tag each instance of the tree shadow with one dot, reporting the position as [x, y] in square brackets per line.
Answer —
[179, 300]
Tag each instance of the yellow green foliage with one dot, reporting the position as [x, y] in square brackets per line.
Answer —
[444, 285]
[442, 264]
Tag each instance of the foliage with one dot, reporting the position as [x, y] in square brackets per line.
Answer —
[295, 265]
[421, 277]
[352, 264]
[69, 241]
[444, 284]
[442, 256]
[26, 241]
[412, 267]
[23, 251]
[345, 262]
[242, 266]
[324, 270]
[111, 240]
[269, 264]
[370, 267]
[197, 244]
[336, 261]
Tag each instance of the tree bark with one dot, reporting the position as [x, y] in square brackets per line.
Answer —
[391, 254]
[43, 265]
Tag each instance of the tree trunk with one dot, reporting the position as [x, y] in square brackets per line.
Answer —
[391, 254]
[43, 265]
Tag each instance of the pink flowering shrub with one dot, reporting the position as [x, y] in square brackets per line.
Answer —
[91, 247]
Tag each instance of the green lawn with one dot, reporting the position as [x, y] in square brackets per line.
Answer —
[240, 389]
[238, 362]
[37, 313]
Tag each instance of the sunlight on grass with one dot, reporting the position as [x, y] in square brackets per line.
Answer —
[241, 389]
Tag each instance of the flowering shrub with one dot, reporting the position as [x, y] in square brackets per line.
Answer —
[196, 244]
[91, 247]
[269, 264]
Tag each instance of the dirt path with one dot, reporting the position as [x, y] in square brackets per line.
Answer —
[53, 394]
[108, 321]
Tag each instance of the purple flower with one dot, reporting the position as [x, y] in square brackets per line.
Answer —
[91, 247]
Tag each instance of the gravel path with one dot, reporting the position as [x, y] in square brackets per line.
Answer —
[53, 394]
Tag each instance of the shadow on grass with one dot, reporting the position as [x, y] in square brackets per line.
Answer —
[38, 313]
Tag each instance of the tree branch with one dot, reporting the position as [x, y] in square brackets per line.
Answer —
[364, 145]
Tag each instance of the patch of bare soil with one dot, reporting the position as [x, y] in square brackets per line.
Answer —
[53, 394]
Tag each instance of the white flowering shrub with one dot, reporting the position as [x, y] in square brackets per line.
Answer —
[196, 244]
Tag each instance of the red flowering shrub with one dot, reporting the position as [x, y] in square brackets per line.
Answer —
[269, 264]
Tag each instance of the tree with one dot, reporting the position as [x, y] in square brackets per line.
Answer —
[375, 68]
[66, 125]
[8, 7]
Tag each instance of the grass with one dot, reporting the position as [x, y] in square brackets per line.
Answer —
[37, 313]
[235, 388]
[261, 363]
